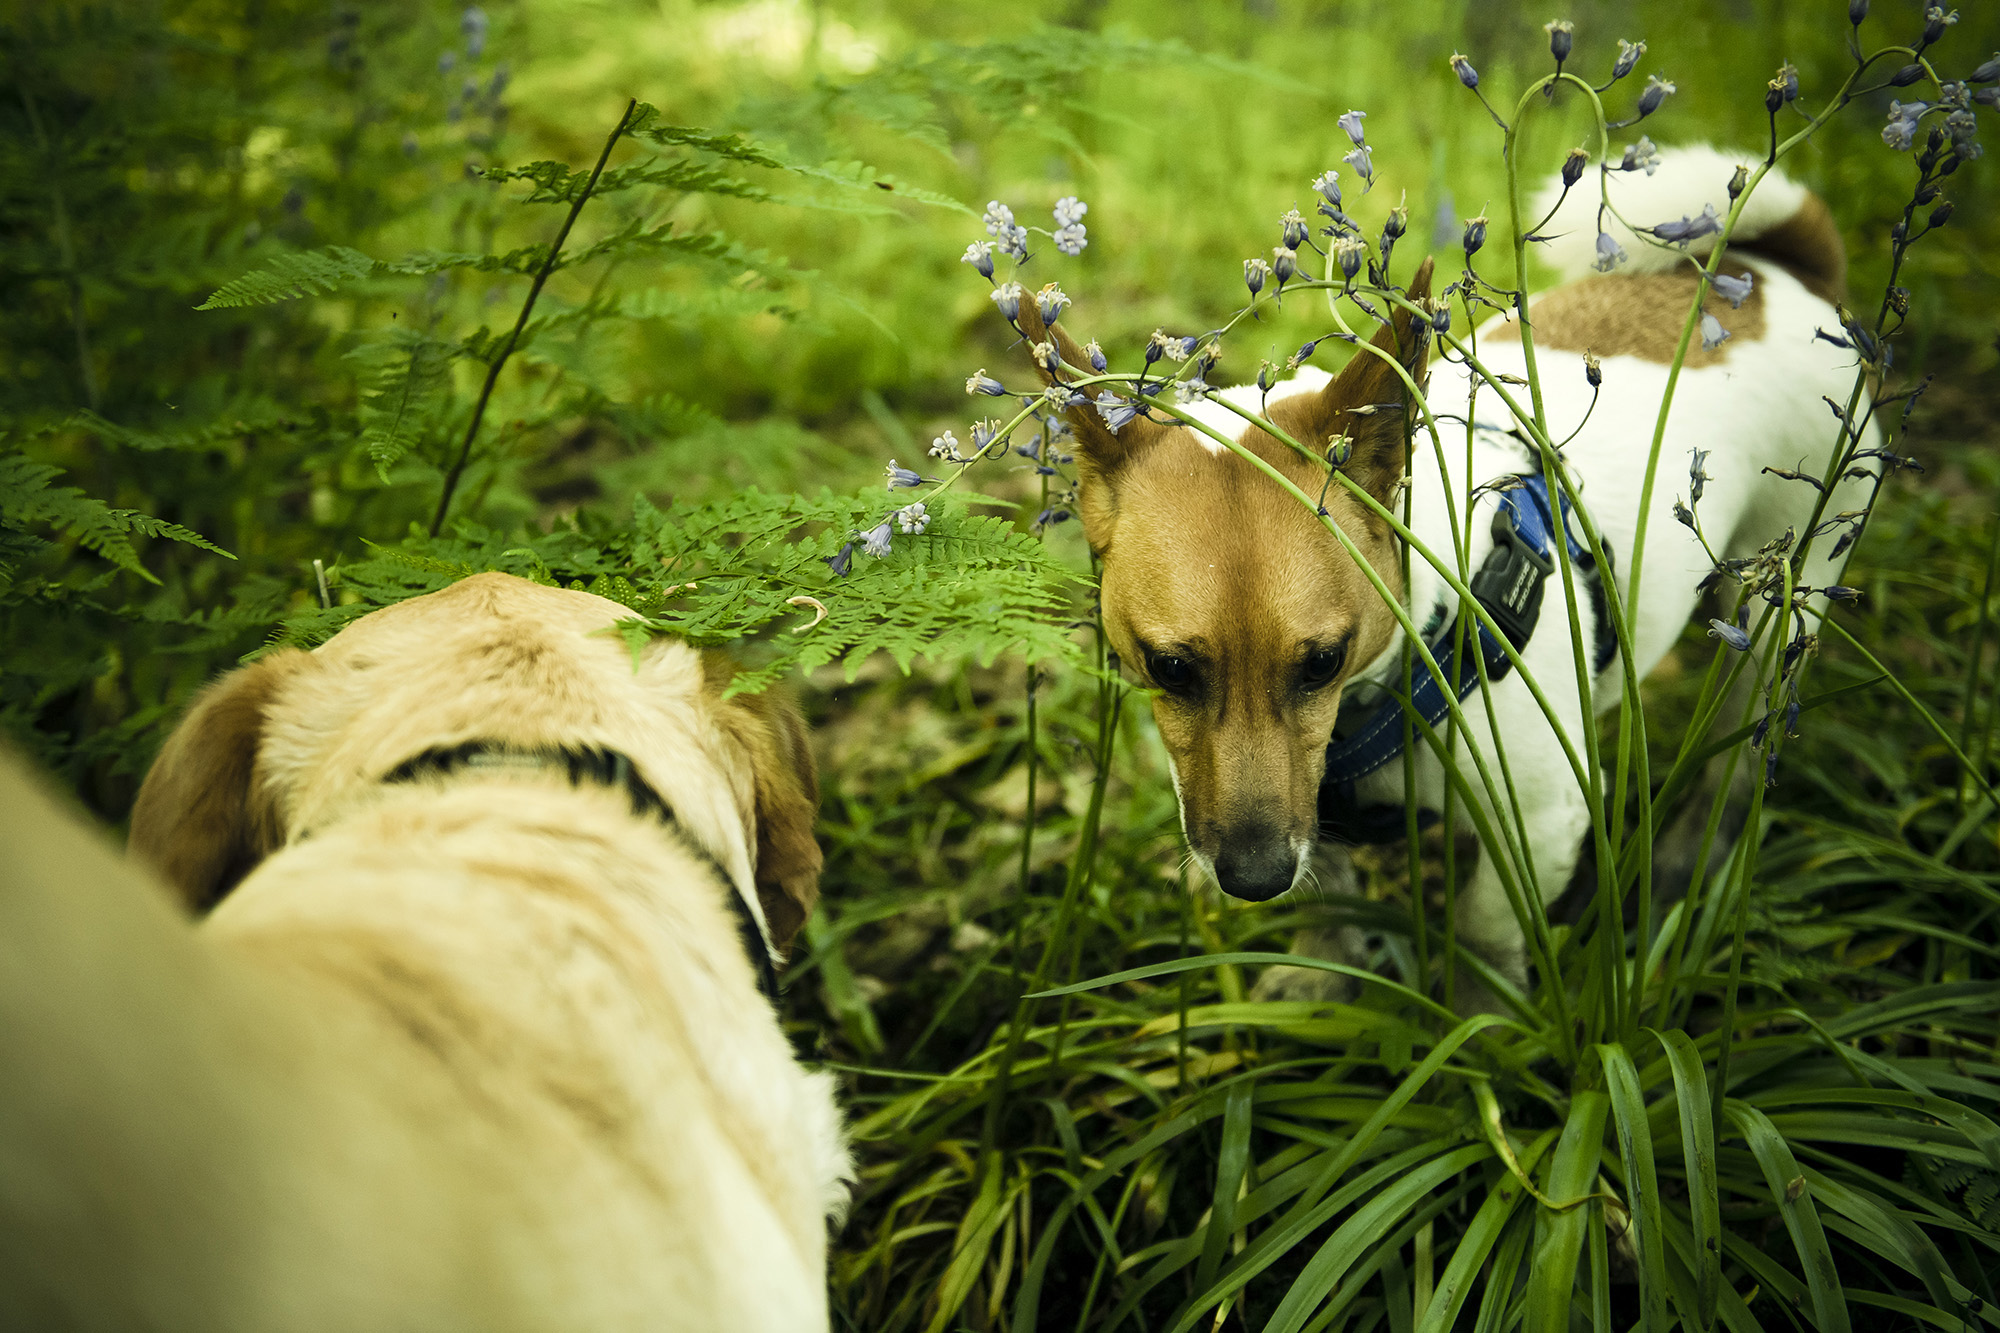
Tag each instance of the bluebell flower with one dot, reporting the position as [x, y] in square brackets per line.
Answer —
[1698, 474]
[1610, 254]
[1941, 215]
[1294, 228]
[1733, 290]
[913, 519]
[473, 24]
[1684, 516]
[1303, 355]
[1689, 229]
[1396, 223]
[1475, 235]
[840, 560]
[1351, 122]
[1116, 411]
[1328, 186]
[1348, 253]
[984, 432]
[1254, 273]
[984, 383]
[1961, 126]
[1562, 35]
[1363, 163]
[1936, 20]
[1051, 301]
[875, 541]
[1059, 396]
[999, 218]
[1641, 156]
[1045, 355]
[1441, 319]
[1628, 58]
[1656, 91]
[1841, 593]
[1857, 10]
[1901, 130]
[1284, 264]
[447, 61]
[1907, 75]
[1070, 210]
[1988, 72]
[1014, 243]
[1071, 239]
[502, 75]
[945, 446]
[1095, 355]
[1573, 166]
[1729, 634]
[1713, 335]
[1008, 297]
[902, 477]
[1462, 67]
[1792, 718]
[1593, 370]
[1788, 82]
[1190, 390]
[980, 255]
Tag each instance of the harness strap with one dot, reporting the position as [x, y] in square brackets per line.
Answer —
[1509, 584]
[605, 768]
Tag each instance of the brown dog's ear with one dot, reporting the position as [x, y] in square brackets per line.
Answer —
[1381, 436]
[786, 782]
[1100, 451]
[199, 821]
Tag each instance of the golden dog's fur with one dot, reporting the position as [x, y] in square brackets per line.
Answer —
[478, 1051]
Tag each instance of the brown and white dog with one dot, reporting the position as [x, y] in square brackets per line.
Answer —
[471, 1044]
[1253, 624]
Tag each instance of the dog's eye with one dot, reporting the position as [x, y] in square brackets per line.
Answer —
[1170, 672]
[1322, 665]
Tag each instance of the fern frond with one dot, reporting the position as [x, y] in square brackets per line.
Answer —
[411, 375]
[288, 277]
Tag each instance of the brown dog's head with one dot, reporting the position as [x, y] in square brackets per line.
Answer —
[1230, 599]
[281, 747]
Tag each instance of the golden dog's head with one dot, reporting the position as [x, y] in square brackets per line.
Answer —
[281, 747]
[1236, 605]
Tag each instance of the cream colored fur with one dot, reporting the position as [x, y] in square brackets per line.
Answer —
[476, 1053]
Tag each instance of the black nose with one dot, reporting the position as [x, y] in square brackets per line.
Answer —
[1255, 867]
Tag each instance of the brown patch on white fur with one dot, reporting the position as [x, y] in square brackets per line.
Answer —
[769, 729]
[1635, 315]
[1169, 516]
[1807, 245]
[203, 819]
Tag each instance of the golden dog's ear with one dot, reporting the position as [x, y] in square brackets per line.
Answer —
[200, 821]
[786, 783]
[1100, 451]
[1368, 401]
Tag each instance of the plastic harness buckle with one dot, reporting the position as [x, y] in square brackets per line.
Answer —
[1510, 582]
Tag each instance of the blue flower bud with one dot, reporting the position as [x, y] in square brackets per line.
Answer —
[1988, 72]
[1475, 235]
[1573, 166]
[1593, 371]
[1689, 229]
[1462, 67]
[1729, 634]
[1656, 91]
[1254, 273]
[902, 477]
[1610, 254]
[1014, 243]
[980, 255]
[1294, 229]
[1116, 411]
[1857, 10]
[1183, 348]
[1788, 81]
[1628, 58]
[1562, 33]
[1051, 301]
[1907, 75]
[1348, 253]
[1841, 593]
[1761, 732]
[1008, 297]
[1441, 321]
[1936, 20]
[1713, 335]
[1096, 356]
[1328, 185]
[1733, 290]
[1941, 214]
[986, 384]
[875, 541]
[1684, 516]
[840, 560]
[1698, 475]
[1284, 264]
[1046, 356]
[1396, 223]
[1640, 156]
[1792, 719]
[1351, 122]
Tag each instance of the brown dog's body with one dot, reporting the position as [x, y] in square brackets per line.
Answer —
[470, 1050]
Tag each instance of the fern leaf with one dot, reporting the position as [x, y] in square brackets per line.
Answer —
[288, 277]
[412, 375]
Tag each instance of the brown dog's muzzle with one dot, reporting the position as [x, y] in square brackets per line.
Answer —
[1255, 862]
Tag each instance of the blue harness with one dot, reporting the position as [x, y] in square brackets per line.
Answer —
[1509, 584]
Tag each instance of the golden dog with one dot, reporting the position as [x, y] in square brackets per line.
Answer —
[474, 1042]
